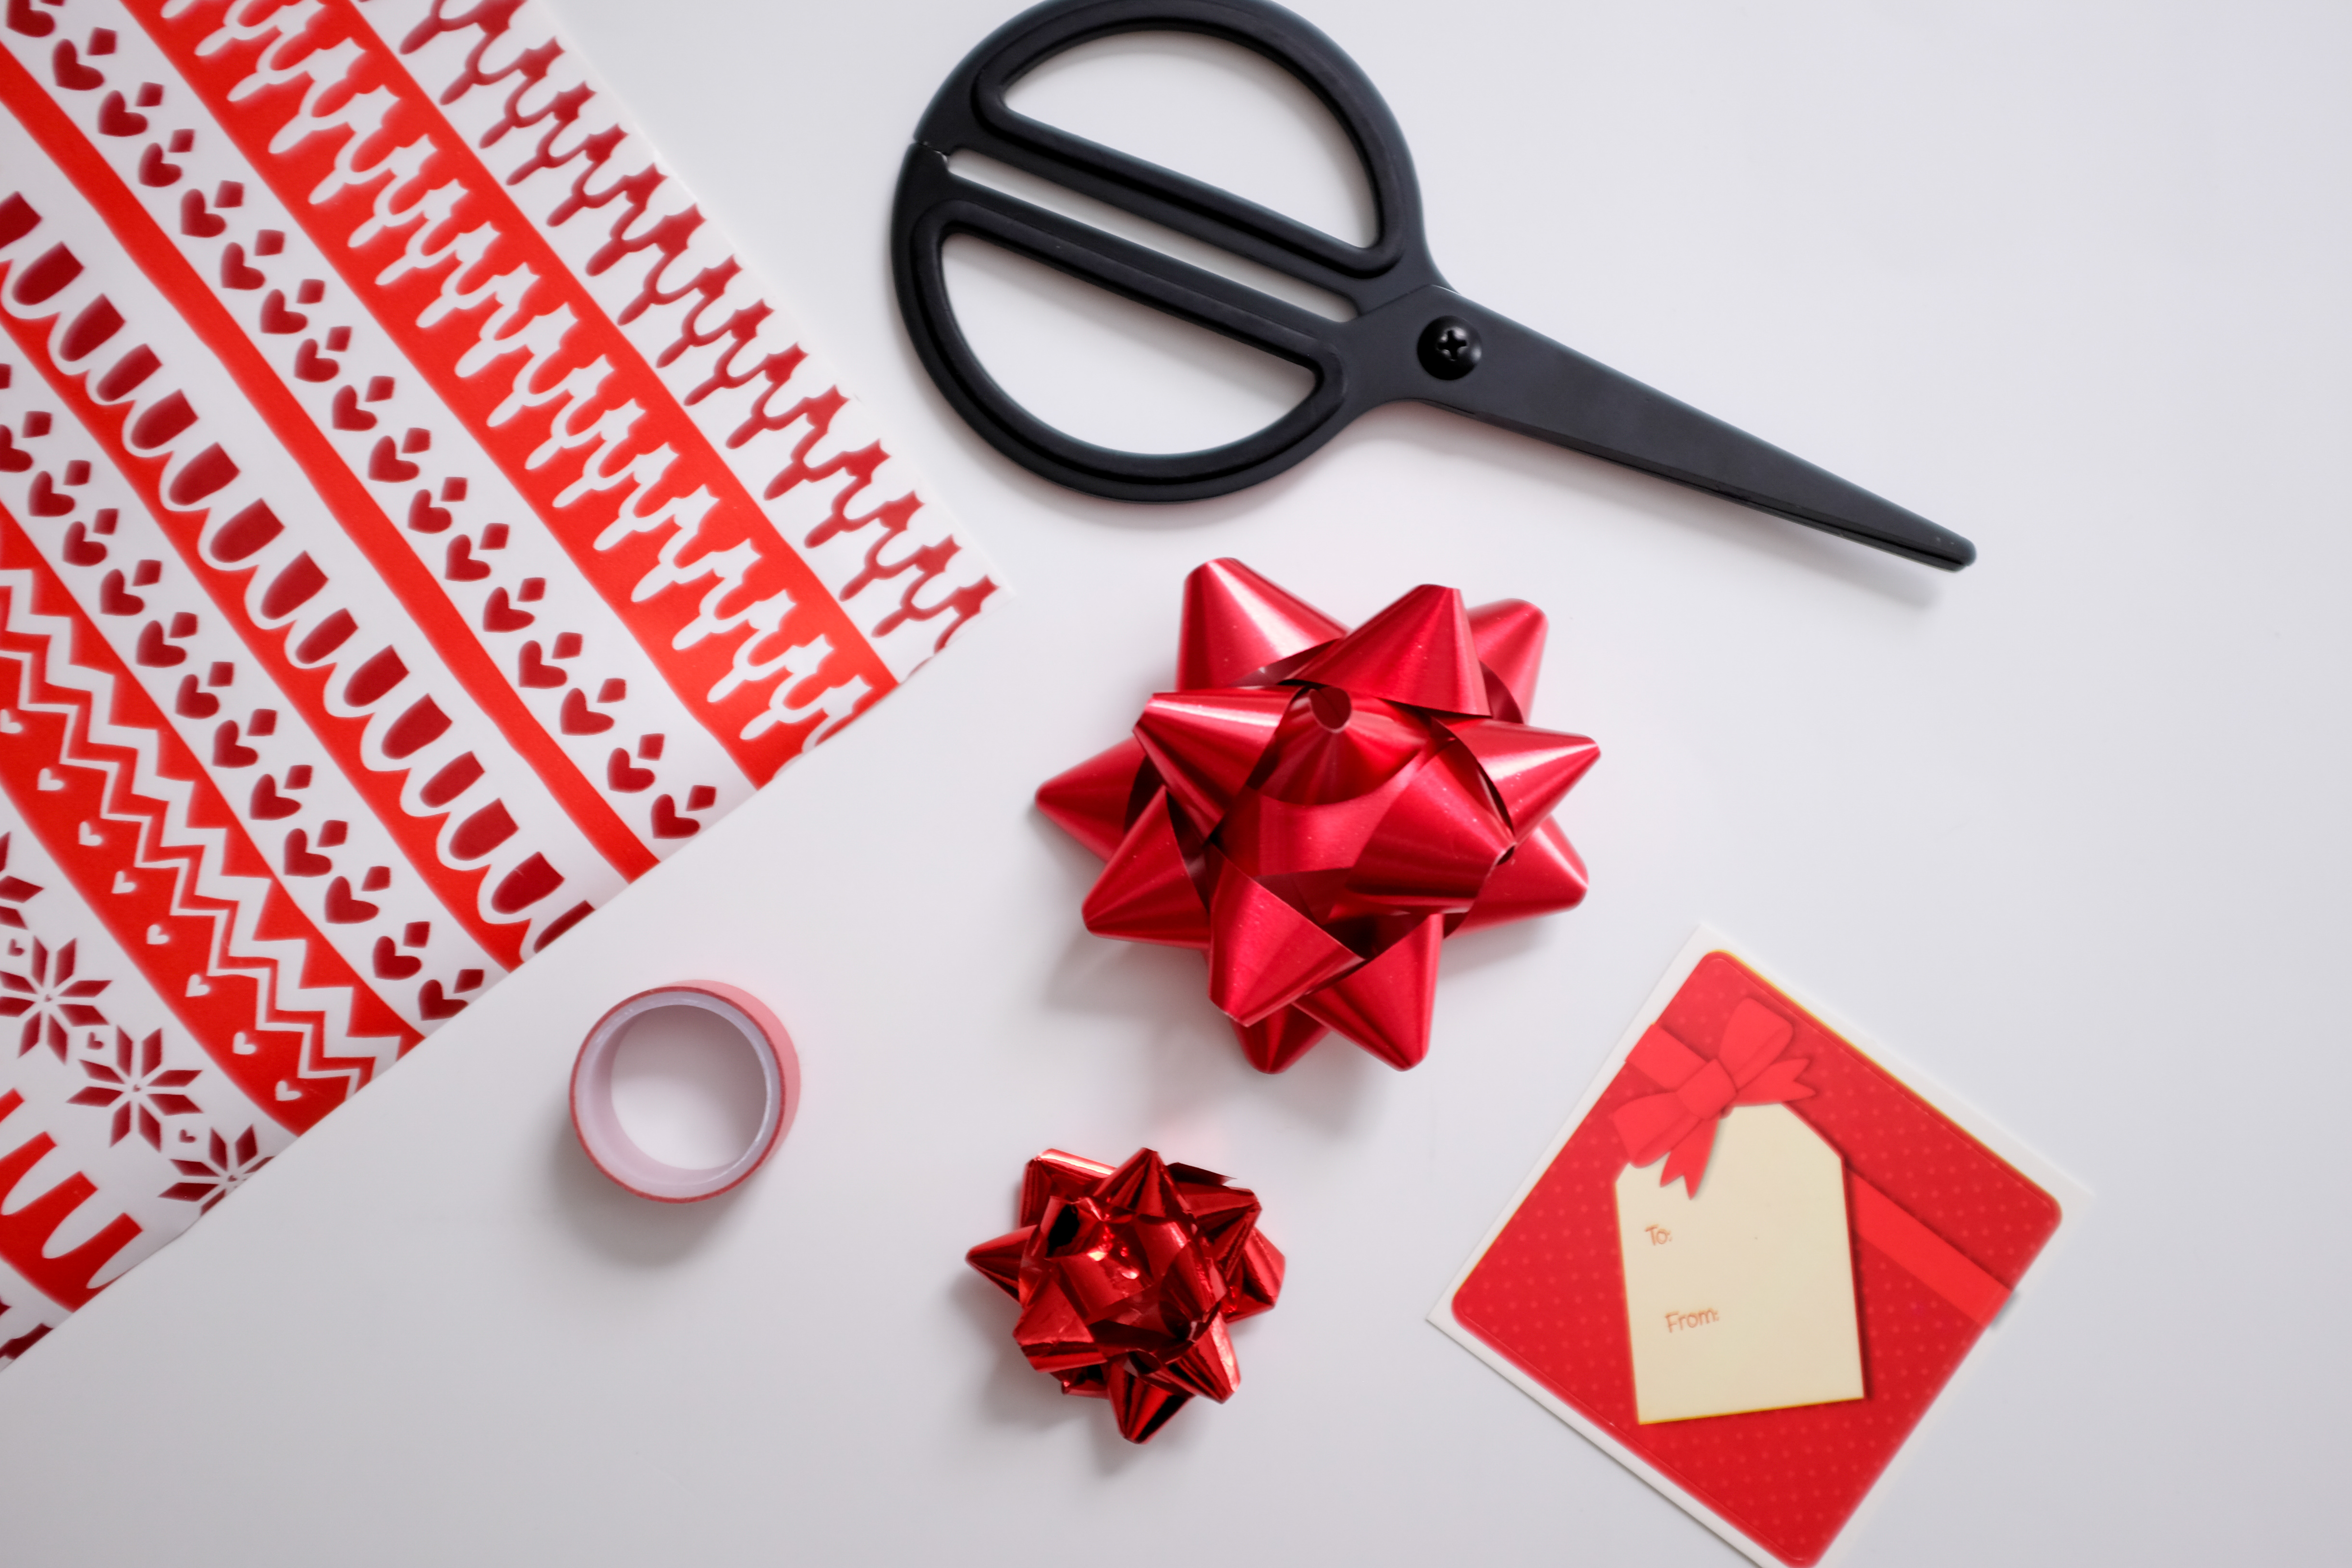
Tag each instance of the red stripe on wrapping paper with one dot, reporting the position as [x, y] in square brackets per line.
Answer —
[165, 897]
[375, 534]
[735, 519]
[1921, 1252]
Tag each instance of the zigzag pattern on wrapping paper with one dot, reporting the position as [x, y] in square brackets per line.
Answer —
[233, 903]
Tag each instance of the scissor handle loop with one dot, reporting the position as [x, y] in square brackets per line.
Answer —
[970, 113]
[1139, 274]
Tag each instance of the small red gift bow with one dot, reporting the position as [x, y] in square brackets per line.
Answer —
[1749, 1070]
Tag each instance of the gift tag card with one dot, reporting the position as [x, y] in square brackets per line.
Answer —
[1754, 1257]
[1741, 1298]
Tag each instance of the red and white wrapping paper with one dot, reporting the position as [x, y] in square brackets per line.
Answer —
[415, 524]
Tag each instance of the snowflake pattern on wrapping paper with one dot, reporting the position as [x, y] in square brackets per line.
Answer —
[223, 1170]
[14, 890]
[140, 1088]
[52, 1003]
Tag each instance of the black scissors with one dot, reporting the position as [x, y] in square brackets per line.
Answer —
[1412, 337]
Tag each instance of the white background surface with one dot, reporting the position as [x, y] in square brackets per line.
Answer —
[2068, 829]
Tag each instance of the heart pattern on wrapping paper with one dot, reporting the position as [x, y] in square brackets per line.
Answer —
[623, 778]
[158, 652]
[197, 221]
[310, 364]
[390, 964]
[432, 1002]
[155, 170]
[22, 18]
[117, 117]
[385, 464]
[533, 670]
[300, 859]
[347, 413]
[423, 517]
[14, 460]
[276, 318]
[668, 824]
[346, 907]
[460, 566]
[44, 499]
[115, 599]
[80, 549]
[500, 614]
[578, 719]
[235, 274]
[268, 805]
[227, 753]
[193, 702]
[72, 75]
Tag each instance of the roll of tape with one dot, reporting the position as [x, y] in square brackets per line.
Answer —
[598, 1123]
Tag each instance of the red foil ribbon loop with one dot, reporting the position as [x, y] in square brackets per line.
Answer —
[1238, 626]
[1316, 809]
[1747, 1069]
[1126, 1278]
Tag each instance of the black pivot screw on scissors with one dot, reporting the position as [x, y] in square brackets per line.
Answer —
[1413, 337]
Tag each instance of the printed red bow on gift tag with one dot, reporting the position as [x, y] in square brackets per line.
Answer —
[1317, 808]
[1746, 1070]
[1126, 1278]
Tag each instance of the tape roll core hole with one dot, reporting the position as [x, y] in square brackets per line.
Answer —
[688, 1087]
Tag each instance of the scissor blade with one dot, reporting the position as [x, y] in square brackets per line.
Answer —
[1527, 382]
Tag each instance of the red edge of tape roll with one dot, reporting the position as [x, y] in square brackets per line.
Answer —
[598, 1123]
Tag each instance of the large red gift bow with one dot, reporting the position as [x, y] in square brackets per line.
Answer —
[1316, 809]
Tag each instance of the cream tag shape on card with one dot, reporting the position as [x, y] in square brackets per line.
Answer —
[1740, 1297]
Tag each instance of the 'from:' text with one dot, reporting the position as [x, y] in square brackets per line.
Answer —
[1689, 1319]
